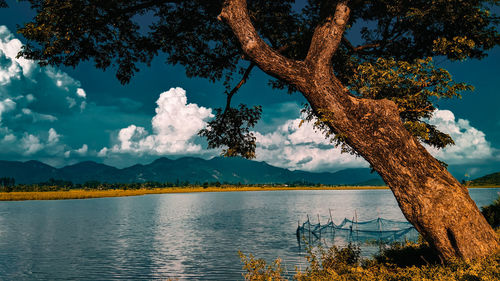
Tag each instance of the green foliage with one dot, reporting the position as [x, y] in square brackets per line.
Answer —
[344, 264]
[492, 213]
[491, 179]
[391, 62]
[334, 259]
[231, 128]
[7, 184]
[406, 254]
[408, 30]
[413, 86]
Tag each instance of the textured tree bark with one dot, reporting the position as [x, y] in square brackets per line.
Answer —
[430, 198]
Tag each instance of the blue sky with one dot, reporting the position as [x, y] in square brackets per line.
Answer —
[63, 115]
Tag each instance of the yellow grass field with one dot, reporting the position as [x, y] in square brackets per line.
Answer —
[87, 194]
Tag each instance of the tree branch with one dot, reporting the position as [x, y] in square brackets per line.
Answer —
[326, 39]
[237, 87]
[235, 13]
[145, 5]
[359, 49]
[243, 80]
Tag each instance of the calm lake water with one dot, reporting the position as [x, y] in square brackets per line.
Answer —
[190, 236]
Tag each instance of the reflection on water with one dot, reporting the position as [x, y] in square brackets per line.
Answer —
[186, 236]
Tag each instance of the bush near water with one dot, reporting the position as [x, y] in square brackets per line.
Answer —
[400, 261]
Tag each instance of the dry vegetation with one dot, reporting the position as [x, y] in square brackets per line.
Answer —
[85, 194]
[407, 261]
[95, 193]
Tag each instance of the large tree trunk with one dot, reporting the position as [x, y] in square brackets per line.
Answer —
[430, 198]
[437, 205]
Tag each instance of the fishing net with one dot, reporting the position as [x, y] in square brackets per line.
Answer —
[377, 231]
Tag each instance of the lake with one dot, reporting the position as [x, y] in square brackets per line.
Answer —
[189, 236]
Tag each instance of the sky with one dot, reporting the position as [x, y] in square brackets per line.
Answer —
[61, 115]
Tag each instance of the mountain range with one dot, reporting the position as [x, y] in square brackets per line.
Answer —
[229, 170]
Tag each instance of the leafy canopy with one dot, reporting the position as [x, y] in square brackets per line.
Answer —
[393, 60]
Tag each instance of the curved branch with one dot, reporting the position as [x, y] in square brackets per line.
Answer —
[237, 87]
[235, 13]
[244, 79]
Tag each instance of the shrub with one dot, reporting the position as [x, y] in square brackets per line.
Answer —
[492, 213]
[258, 270]
[409, 261]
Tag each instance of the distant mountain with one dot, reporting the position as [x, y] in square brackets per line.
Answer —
[231, 170]
[28, 172]
[88, 170]
[491, 179]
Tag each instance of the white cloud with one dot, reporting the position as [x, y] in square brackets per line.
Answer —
[9, 47]
[81, 93]
[294, 147]
[31, 144]
[470, 143]
[303, 148]
[103, 152]
[37, 117]
[9, 138]
[53, 136]
[174, 128]
[5, 106]
[83, 150]
[71, 102]
[83, 105]
[32, 99]
[43, 90]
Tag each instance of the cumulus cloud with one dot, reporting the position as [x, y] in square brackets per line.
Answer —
[83, 150]
[5, 106]
[302, 148]
[31, 144]
[53, 136]
[32, 99]
[470, 143]
[174, 128]
[42, 90]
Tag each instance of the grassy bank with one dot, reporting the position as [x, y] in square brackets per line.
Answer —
[86, 194]
[484, 186]
[407, 261]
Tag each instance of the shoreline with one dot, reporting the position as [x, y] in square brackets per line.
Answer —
[90, 194]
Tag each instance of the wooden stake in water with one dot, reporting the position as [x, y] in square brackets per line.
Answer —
[333, 225]
[357, 233]
[309, 226]
[319, 223]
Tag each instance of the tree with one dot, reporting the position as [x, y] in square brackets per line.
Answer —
[373, 98]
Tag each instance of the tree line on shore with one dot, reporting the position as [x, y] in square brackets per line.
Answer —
[8, 184]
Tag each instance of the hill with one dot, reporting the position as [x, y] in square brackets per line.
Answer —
[491, 179]
[192, 169]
